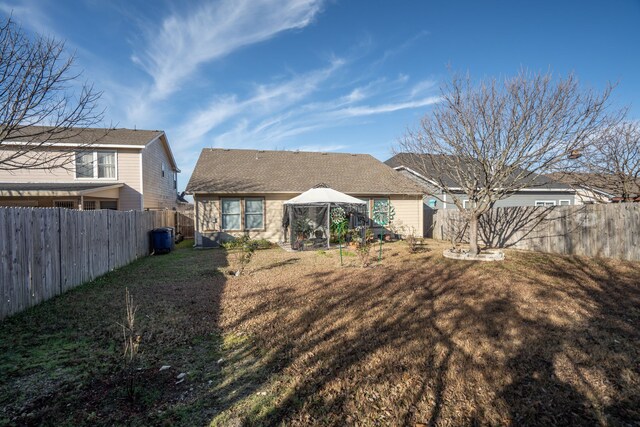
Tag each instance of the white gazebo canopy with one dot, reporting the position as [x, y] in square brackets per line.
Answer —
[323, 196]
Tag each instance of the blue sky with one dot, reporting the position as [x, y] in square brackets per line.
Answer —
[341, 75]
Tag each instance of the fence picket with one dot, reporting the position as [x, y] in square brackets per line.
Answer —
[607, 230]
[47, 251]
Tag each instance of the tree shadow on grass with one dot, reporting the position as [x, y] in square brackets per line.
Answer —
[446, 342]
[62, 360]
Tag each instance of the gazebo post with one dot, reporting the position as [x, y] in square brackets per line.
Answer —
[291, 227]
[328, 225]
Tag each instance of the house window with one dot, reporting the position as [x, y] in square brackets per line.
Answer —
[231, 216]
[175, 180]
[380, 212]
[106, 164]
[163, 169]
[465, 204]
[84, 165]
[96, 164]
[253, 214]
[545, 202]
[109, 204]
[565, 202]
[68, 204]
[89, 205]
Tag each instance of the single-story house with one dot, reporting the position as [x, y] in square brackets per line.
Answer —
[596, 188]
[243, 191]
[545, 192]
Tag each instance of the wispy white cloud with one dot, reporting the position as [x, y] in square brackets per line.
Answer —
[266, 100]
[185, 41]
[368, 110]
[277, 114]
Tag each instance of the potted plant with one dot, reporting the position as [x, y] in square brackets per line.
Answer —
[302, 228]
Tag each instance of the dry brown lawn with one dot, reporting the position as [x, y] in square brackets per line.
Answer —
[535, 340]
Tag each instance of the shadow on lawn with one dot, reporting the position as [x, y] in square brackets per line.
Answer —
[443, 342]
[61, 363]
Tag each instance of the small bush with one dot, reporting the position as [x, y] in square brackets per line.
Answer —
[363, 248]
[242, 249]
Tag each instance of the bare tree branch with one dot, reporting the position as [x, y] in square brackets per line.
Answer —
[611, 163]
[38, 106]
[485, 141]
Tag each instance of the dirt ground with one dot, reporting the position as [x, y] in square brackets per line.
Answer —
[299, 340]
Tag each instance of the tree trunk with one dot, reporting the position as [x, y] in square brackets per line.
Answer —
[473, 235]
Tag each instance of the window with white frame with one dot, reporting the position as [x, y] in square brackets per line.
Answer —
[96, 164]
[545, 202]
[565, 202]
[163, 169]
[68, 204]
[231, 215]
[253, 214]
[465, 204]
[175, 180]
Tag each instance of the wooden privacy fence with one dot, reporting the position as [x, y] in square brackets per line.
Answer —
[184, 225]
[47, 251]
[606, 230]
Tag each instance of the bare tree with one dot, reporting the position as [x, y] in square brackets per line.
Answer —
[485, 141]
[38, 106]
[612, 162]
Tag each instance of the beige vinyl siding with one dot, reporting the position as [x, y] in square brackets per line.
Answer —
[208, 211]
[409, 214]
[59, 174]
[208, 215]
[158, 191]
[128, 173]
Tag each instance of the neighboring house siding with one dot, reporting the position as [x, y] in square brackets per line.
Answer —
[208, 216]
[158, 191]
[524, 198]
[528, 198]
[129, 175]
[39, 175]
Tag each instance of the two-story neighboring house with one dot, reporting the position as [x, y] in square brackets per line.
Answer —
[121, 169]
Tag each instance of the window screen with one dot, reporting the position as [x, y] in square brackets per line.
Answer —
[253, 214]
[231, 214]
[84, 165]
[106, 164]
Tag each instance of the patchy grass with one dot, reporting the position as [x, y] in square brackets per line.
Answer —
[536, 339]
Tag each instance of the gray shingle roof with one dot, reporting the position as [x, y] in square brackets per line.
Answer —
[412, 162]
[86, 136]
[603, 182]
[257, 171]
